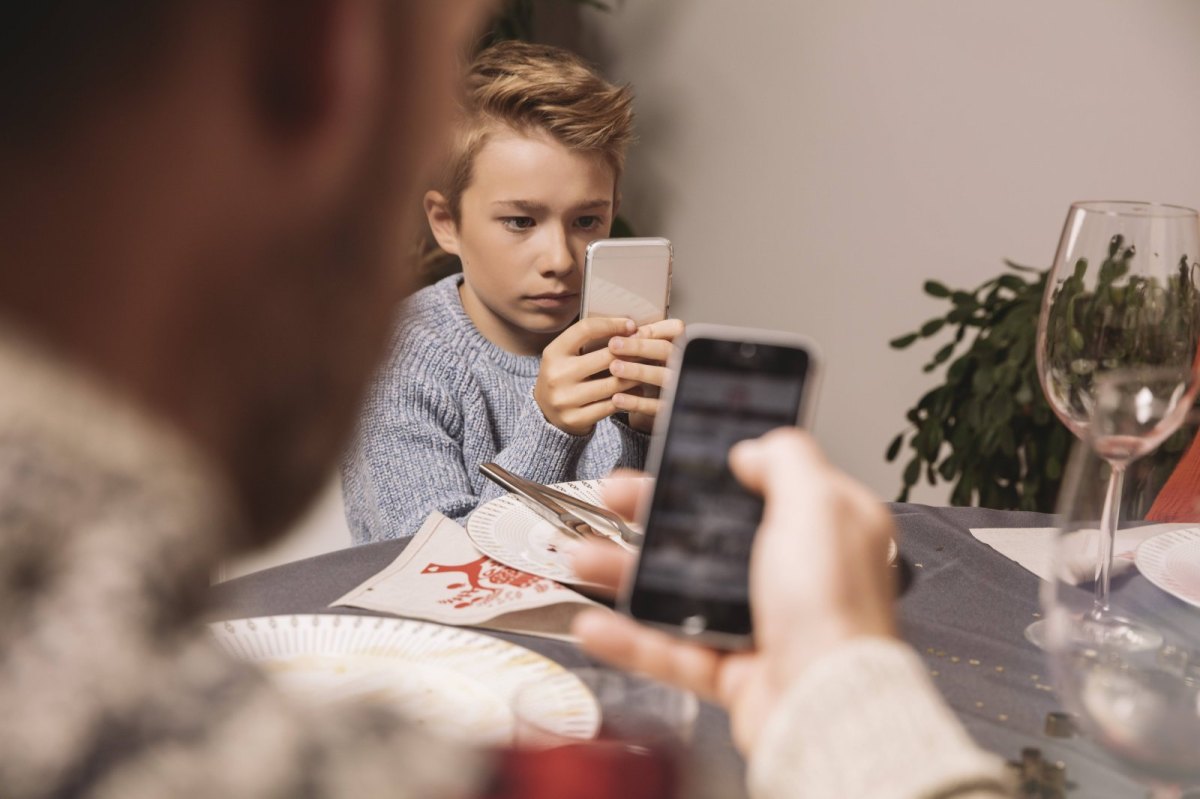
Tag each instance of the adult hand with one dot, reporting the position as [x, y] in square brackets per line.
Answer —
[568, 392]
[818, 578]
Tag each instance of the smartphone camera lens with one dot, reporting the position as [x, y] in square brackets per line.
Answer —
[747, 350]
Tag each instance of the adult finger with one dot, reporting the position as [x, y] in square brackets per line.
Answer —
[625, 643]
[570, 340]
[625, 492]
[602, 564]
[778, 462]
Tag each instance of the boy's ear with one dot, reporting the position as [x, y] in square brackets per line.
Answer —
[441, 221]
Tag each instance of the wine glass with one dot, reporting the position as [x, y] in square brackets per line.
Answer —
[1122, 294]
[1141, 704]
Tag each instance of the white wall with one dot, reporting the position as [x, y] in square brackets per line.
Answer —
[815, 162]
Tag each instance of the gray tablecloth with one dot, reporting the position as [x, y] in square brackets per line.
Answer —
[965, 612]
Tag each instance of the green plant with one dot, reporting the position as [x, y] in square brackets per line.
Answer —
[988, 428]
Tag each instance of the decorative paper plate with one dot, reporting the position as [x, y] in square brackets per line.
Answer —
[1171, 561]
[506, 530]
[456, 683]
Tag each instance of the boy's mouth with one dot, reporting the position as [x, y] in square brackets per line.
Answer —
[553, 299]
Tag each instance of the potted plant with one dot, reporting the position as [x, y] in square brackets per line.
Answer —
[988, 428]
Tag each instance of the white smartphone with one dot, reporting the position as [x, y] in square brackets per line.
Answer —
[627, 277]
[726, 385]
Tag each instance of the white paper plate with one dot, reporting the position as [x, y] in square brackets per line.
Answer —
[453, 682]
[1171, 561]
[506, 530]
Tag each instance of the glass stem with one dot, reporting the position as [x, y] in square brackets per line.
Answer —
[1109, 521]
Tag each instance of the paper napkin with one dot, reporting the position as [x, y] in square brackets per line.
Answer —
[440, 576]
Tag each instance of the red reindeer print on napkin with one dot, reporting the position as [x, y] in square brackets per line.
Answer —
[482, 569]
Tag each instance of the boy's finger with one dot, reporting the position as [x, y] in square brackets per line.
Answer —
[631, 403]
[641, 372]
[581, 367]
[574, 337]
[652, 349]
[590, 391]
[588, 415]
[668, 329]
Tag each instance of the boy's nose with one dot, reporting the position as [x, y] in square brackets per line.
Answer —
[558, 258]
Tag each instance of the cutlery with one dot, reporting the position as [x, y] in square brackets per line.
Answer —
[627, 533]
[564, 514]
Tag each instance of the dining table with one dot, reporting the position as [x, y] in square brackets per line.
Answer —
[963, 608]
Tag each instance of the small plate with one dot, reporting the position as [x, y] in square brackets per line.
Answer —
[506, 530]
[1171, 561]
[456, 683]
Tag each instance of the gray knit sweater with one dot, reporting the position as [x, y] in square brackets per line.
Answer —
[447, 400]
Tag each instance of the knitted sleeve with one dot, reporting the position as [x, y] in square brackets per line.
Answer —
[409, 459]
[866, 721]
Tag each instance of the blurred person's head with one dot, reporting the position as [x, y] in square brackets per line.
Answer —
[198, 204]
[532, 177]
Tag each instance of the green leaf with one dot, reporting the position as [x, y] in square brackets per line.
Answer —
[903, 341]
[948, 468]
[912, 472]
[1080, 269]
[1052, 468]
[1020, 268]
[935, 289]
[931, 327]
[894, 448]
[1012, 282]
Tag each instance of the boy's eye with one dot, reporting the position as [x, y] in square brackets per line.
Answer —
[588, 222]
[517, 222]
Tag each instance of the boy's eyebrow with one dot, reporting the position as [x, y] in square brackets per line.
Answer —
[531, 207]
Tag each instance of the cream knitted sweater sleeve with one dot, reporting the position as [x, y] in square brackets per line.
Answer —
[865, 721]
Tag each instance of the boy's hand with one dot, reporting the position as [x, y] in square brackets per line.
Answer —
[643, 358]
[569, 398]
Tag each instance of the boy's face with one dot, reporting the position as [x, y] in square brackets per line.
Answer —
[525, 222]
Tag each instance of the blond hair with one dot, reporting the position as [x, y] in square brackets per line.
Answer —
[533, 88]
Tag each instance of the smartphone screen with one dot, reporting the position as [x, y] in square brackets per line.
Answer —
[693, 572]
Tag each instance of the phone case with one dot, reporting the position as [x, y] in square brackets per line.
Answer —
[717, 638]
[627, 278]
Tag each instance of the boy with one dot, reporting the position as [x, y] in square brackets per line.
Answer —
[486, 365]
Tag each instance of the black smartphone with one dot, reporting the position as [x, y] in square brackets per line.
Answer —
[727, 385]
